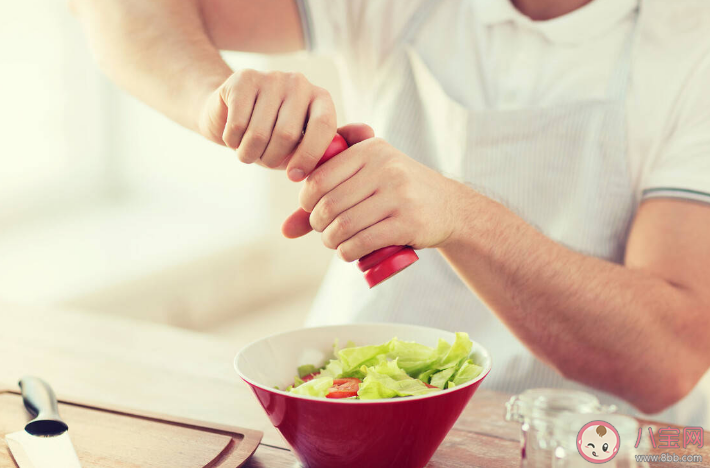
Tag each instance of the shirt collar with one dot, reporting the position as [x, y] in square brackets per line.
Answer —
[583, 24]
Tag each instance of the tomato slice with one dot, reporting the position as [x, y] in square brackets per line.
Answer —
[430, 386]
[310, 376]
[344, 388]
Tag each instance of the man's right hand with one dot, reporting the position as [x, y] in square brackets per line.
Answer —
[279, 120]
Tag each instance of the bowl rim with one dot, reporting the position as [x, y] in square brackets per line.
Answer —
[444, 392]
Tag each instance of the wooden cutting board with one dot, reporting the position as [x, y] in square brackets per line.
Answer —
[109, 437]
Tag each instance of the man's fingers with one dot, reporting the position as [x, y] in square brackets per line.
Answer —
[368, 240]
[356, 132]
[288, 130]
[296, 225]
[261, 125]
[320, 130]
[326, 178]
[357, 218]
[342, 198]
[240, 99]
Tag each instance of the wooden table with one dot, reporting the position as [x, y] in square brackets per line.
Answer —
[157, 368]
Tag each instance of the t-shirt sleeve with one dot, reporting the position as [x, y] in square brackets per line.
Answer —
[682, 169]
[355, 28]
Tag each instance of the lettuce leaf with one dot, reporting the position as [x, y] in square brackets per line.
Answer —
[440, 378]
[413, 357]
[442, 348]
[454, 354]
[317, 387]
[426, 376]
[394, 369]
[354, 358]
[306, 369]
[387, 380]
[468, 371]
[333, 369]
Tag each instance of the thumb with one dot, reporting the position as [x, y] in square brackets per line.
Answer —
[297, 224]
[213, 118]
[355, 133]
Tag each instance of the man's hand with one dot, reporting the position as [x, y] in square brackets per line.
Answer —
[371, 196]
[263, 116]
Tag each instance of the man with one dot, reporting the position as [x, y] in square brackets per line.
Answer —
[569, 235]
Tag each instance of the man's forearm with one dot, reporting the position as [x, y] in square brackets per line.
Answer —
[158, 50]
[596, 322]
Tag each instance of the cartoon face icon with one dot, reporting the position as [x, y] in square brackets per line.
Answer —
[598, 442]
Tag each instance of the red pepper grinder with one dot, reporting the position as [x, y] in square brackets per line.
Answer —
[387, 261]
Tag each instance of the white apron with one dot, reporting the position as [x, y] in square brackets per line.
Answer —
[564, 169]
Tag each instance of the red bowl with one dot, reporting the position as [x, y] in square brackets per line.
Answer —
[327, 433]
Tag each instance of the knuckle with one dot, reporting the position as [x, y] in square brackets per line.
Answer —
[373, 149]
[297, 80]
[274, 77]
[289, 136]
[322, 93]
[375, 144]
[341, 225]
[270, 77]
[237, 128]
[394, 173]
[328, 239]
[315, 222]
[323, 121]
[247, 75]
[233, 89]
[316, 181]
[271, 163]
[364, 240]
[347, 251]
[329, 207]
[259, 136]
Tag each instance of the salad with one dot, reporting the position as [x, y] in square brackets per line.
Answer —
[390, 370]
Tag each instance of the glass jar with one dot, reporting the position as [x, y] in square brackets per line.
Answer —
[568, 435]
[538, 411]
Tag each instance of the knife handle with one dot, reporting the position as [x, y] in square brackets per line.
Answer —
[41, 402]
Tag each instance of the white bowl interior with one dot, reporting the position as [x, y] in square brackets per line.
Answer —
[272, 361]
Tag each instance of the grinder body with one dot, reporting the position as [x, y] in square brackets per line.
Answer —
[387, 261]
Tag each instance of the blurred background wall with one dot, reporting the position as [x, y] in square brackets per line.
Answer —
[108, 206]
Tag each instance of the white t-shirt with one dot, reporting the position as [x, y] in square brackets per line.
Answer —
[487, 57]
[546, 63]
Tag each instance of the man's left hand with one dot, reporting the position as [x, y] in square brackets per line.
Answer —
[372, 196]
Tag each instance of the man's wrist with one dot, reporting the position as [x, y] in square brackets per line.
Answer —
[204, 89]
[471, 212]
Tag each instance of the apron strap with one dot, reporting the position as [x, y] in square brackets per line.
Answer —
[416, 21]
[621, 77]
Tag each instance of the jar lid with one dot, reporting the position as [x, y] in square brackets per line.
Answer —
[546, 403]
[624, 425]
